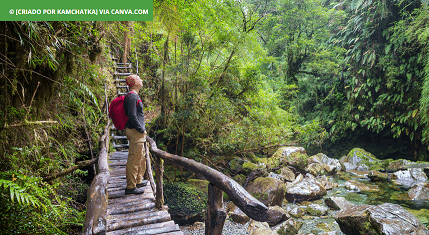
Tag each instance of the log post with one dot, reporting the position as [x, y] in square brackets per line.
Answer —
[149, 168]
[159, 171]
[215, 214]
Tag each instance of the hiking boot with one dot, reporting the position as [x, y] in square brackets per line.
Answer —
[134, 191]
[142, 184]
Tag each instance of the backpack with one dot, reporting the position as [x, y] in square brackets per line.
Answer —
[117, 112]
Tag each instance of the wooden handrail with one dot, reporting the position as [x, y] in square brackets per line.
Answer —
[95, 218]
[238, 195]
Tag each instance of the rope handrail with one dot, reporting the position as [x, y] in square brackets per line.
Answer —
[238, 195]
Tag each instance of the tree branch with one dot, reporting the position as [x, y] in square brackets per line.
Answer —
[79, 165]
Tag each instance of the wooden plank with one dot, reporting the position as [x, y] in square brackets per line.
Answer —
[114, 164]
[121, 193]
[152, 218]
[130, 198]
[131, 203]
[172, 233]
[158, 228]
[128, 209]
[134, 215]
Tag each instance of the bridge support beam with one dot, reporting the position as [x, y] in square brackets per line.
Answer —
[215, 214]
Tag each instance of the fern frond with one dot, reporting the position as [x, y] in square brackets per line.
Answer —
[19, 193]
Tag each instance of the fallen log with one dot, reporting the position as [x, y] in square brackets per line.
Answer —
[79, 165]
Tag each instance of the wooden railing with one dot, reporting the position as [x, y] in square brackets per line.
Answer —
[215, 214]
[95, 218]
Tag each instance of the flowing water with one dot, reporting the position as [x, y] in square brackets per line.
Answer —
[388, 193]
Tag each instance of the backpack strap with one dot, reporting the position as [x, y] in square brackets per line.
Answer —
[130, 92]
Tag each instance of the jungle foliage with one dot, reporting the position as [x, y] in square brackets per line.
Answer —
[51, 102]
[222, 79]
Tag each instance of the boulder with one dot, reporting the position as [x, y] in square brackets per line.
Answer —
[333, 233]
[307, 189]
[288, 156]
[317, 210]
[236, 214]
[296, 211]
[327, 182]
[259, 228]
[249, 167]
[317, 169]
[408, 178]
[346, 166]
[360, 159]
[419, 192]
[236, 165]
[277, 215]
[239, 179]
[376, 176]
[268, 190]
[338, 203]
[186, 203]
[332, 165]
[276, 176]
[289, 227]
[386, 219]
[359, 174]
[399, 164]
[360, 186]
[287, 174]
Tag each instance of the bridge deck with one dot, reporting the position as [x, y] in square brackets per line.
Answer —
[133, 214]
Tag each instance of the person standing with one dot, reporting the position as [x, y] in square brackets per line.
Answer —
[136, 134]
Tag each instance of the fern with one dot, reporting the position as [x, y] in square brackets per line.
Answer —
[14, 183]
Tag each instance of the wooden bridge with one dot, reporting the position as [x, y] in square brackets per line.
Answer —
[110, 211]
[133, 213]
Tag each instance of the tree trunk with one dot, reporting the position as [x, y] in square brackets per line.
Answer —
[126, 41]
[163, 82]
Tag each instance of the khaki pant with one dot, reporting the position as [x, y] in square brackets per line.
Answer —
[136, 162]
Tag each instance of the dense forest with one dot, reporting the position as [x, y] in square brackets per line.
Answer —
[222, 79]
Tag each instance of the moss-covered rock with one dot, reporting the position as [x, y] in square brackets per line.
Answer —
[386, 219]
[259, 228]
[358, 186]
[239, 179]
[292, 156]
[236, 214]
[358, 157]
[395, 165]
[304, 189]
[287, 174]
[236, 165]
[249, 167]
[317, 210]
[268, 190]
[186, 202]
[289, 227]
[419, 192]
[376, 176]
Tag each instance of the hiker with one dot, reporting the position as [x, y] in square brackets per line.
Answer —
[136, 134]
